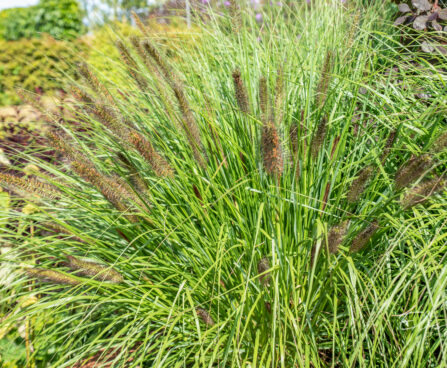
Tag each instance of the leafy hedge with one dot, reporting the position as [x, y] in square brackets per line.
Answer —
[61, 19]
[40, 63]
[35, 64]
[103, 53]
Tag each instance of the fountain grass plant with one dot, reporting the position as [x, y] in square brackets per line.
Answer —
[275, 199]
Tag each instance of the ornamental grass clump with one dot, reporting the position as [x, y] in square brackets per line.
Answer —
[216, 210]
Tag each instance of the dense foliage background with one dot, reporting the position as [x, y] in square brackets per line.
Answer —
[62, 19]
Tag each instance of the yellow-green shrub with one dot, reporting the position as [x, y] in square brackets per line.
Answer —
[36, 63]
[102, 49]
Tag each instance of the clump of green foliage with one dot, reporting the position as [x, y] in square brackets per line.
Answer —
[276, 199]
[62, 19]
[39, 63]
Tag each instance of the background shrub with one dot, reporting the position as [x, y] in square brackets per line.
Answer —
[35, 64]
[103, 54]
[61, 19]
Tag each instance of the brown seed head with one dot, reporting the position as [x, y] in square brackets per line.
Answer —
[318, 139]
[271, 150]
[440, 143]
[412, 170]
[160, 166]
[336, 236]
[263, 267]
[189, 123]
[140, 24]
[112, 191]
[135, 178]
[52, 276]
[358, 185]
[240, 92]
[363, 237]
[132, 66]
[388, 145]
[93, 81]
[205, 316]
[235, 16]
[294, 145]
[96, 270]
[28, 186]
[325, 78]
[423, 192]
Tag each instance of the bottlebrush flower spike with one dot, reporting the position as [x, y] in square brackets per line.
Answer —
[323, 84]
[294, 147]
[140, 24]
[358, 185]
[440, 143]
[336, 236]
[189, 123]
[135, 177]
[60, 142]
[132, 66]
[263, 267]
[28, 186]
[94, 83]
[106, 186]
[52, 276]
[363, 237]
[270, 138]
[412, 170]
[98, 271]
[271, 150]
[388, 145]
[205, 316]
[318, 139]
[423, 192]
[155, 160]
[241, 92]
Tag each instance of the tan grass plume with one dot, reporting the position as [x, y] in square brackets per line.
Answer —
[52, 276]
[190, 126]
[241, 92]
[412, 170]
[364, 236]
[98, 271]
[423, 192]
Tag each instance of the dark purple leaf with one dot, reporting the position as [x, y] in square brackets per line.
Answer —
[442, 50]
[410, 19]
[433, 16]
[400, 20]
[443, 14]
[426, 47]
[422, 5]
[404, 8]
[420, 22]
[436, 26]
